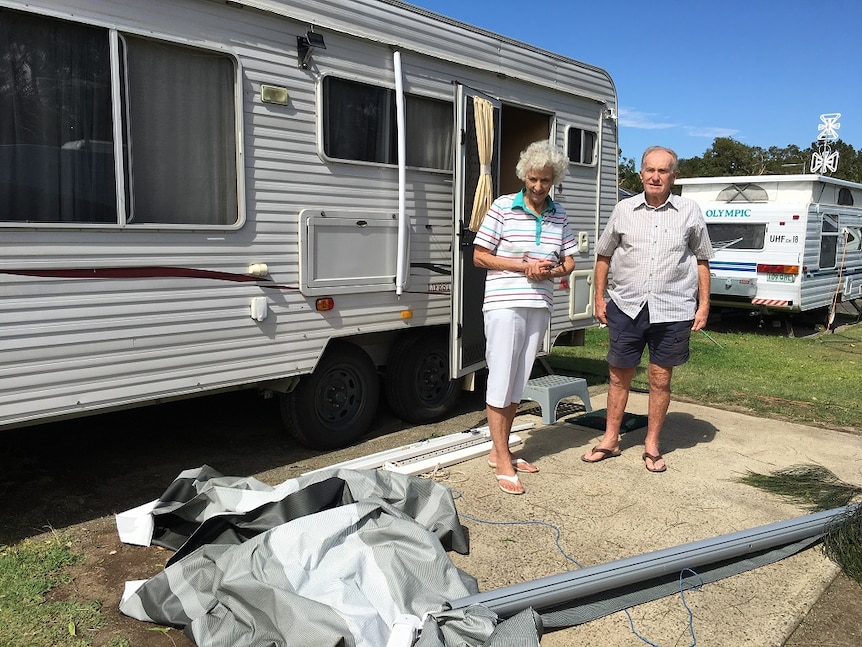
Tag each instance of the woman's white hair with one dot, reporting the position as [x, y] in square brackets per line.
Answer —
[540, 154]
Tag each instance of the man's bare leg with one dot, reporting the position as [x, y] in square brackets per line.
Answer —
[659, 401]
[618, 397]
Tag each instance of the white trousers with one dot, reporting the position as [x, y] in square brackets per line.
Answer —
[512, 339]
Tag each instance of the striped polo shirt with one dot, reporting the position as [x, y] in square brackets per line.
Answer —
[654, 253]
[511, 230]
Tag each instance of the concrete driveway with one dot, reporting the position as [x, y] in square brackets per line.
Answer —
[617, 509]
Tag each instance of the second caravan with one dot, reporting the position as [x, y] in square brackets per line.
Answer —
[783, 243]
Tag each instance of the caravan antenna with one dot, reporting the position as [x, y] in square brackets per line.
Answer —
[825, 160]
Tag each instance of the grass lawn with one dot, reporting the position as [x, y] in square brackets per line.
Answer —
[29, 617]
[812, 380]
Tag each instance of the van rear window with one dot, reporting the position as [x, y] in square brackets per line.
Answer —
[737, 235]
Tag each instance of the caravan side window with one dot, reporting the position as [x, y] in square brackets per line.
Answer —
[57, 146]
[845, 196]
[359, 124]
[828, 242]
[581, 146]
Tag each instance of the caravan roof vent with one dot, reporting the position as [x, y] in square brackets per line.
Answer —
[743, 193]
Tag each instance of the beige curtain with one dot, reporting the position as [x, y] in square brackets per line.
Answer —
[484, 114]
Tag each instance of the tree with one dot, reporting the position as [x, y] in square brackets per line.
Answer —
[630, 179]
[728, 157]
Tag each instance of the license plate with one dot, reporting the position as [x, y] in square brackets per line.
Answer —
[781, 278]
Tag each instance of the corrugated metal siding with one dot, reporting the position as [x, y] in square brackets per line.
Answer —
[72, 344]
[819, 286]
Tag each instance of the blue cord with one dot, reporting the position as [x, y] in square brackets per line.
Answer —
[457, 495]
[684, 603]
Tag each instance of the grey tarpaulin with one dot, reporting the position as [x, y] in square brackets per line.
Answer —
[329, 558]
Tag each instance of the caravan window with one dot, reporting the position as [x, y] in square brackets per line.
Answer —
[359, 124]
[581, 146]
[57, 144]
[744, 192]
[181, 158]
[828, 242]
[737, 235]
[56, 133]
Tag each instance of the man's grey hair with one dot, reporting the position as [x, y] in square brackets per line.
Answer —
[540, 154]
[653, 149]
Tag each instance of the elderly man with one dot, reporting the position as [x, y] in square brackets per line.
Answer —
[653, 262]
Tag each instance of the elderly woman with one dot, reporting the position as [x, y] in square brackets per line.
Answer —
[525, 242]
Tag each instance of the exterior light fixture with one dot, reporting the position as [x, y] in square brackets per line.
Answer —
[306, 44]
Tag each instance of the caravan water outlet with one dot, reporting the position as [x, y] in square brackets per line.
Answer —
[258, 308]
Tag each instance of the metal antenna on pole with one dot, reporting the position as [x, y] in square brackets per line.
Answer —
[825, 160]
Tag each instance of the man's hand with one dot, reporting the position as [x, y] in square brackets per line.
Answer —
[700, 318]
[601, 308]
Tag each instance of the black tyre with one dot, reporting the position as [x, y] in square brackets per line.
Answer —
[416, 383]
[335, 405]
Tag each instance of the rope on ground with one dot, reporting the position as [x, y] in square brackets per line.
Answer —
[438, 474]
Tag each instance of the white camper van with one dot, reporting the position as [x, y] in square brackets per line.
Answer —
[783, 243]
[201, 195]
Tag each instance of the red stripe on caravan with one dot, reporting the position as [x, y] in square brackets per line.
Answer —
[134, 273]
[154, 272]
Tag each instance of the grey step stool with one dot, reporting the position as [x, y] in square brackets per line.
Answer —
[548, 390]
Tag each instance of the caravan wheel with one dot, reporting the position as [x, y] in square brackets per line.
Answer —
[335, 405]
[417, 384]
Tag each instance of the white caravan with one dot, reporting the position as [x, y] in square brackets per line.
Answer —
[783, 243]
[202, 195]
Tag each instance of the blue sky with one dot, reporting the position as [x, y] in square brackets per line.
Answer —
[688, 71]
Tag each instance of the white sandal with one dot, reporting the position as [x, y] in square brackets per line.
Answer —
[520, 465]
[510, 479]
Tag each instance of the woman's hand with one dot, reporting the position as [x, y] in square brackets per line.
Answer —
[540, 270]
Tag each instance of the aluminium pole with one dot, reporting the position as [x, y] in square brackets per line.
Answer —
[552, 591]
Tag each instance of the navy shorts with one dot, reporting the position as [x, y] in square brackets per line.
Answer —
[667, 342]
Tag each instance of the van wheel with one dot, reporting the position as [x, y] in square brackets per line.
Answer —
[417, 384]
[335, 405]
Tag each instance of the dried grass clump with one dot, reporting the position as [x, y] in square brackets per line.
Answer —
[843, 543]
[812, 486]
[818, 489]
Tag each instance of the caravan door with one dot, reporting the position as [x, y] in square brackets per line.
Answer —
[477, 169]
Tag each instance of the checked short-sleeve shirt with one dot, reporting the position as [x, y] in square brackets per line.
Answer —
[654, 253]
